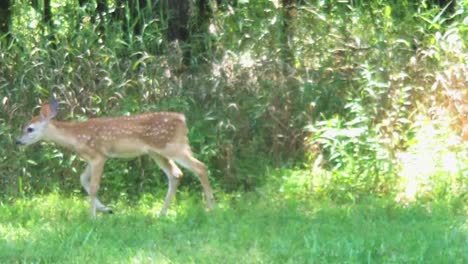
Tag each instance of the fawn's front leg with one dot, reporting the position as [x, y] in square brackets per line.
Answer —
[85, 182]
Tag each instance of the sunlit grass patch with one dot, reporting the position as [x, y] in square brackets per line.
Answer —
[260, 227]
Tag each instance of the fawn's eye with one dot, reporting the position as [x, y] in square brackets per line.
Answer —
[29, 129]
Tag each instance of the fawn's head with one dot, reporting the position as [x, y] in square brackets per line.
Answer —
[35, 128]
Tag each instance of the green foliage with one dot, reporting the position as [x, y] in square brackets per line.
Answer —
[358, 162]
[353, 150]
[352, 74]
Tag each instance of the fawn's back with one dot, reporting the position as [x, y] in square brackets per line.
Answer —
[127, 136]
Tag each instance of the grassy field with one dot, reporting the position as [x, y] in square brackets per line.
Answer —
[258, 227]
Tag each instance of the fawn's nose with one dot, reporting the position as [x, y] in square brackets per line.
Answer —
[18, 142]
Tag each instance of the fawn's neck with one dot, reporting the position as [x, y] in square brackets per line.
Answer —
[61, 133]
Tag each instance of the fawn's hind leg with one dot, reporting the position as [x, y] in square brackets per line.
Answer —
[186, 159]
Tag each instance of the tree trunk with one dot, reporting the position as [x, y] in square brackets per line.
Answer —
[5, 16]
[177, 16]
[289, 7]
[177, 19]
[47, 15]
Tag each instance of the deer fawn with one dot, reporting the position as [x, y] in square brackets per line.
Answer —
[162, 135]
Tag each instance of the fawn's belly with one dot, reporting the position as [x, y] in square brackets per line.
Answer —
[123, 149]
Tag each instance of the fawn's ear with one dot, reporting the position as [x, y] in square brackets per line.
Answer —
[49, 110]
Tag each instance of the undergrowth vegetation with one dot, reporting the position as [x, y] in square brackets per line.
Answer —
[331, 87]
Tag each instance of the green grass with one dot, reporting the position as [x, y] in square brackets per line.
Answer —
[248, 228]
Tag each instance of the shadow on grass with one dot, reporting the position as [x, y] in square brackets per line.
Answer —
[251, 230]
